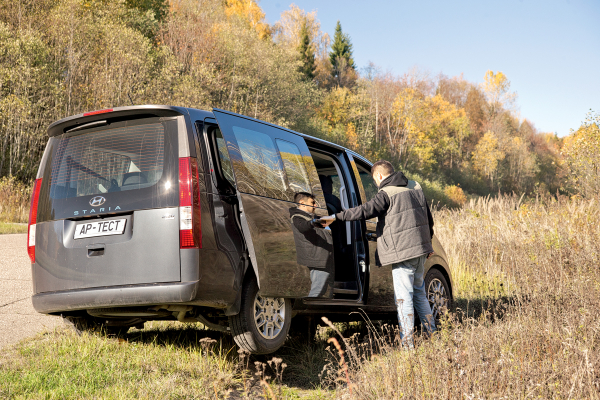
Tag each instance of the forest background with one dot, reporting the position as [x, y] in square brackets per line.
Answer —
[460, 139]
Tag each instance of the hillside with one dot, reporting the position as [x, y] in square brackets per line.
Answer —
[452, 134]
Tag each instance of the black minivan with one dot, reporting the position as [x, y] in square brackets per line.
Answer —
[167, 213]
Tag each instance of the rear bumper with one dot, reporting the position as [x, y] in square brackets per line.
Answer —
[115, 296]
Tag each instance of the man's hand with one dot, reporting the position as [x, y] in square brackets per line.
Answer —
[430, 254]
[326, 221]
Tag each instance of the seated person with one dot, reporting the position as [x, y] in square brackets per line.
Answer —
[332, 200]
[314, 245]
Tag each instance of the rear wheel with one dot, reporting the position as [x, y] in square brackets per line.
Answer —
[438, 293]
[263, 323]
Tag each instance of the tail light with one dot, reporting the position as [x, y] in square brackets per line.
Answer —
[190, 235]
[32, 219]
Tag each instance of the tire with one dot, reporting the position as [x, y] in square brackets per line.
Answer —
[438, 293]
[263, 323]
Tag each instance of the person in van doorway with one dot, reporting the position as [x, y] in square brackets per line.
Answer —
[314, 245]
[404, 234]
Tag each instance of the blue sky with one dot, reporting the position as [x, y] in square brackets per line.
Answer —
[549, 50]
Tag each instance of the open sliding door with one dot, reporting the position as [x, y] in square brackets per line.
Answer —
[268, 173]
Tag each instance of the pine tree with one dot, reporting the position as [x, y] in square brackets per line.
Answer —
[341, 48]
[307, 54]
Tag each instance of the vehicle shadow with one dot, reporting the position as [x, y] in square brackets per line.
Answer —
[308, 361]
[491, 309]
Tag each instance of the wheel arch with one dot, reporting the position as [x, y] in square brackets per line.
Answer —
[446, 274]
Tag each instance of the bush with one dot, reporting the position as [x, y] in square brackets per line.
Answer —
[15, 198]
[456, 194]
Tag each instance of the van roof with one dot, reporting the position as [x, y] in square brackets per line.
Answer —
[68, 123]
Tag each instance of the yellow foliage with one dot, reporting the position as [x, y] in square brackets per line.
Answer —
[496, 86]
[487, 154]
[456, 194]
[495, 82]
[336, 106]
[251, 12]
[430, 129]
[582, 151]
[352, 136]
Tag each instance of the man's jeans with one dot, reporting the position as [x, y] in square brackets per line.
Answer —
[409, 292]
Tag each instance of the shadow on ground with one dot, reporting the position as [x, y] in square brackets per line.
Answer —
[306, 359]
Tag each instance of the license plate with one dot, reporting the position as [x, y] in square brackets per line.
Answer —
[100, 228]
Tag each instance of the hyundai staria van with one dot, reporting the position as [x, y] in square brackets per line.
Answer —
[167, 213]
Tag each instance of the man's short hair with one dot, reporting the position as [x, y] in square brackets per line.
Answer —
[298, 197]
[384, 167]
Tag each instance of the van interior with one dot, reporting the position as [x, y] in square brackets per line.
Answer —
[336, 198]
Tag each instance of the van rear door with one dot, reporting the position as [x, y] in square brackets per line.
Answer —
[108, 206]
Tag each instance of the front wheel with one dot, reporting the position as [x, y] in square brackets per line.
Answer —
[438, 293]
[263, 323]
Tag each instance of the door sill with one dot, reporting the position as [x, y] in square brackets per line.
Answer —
[332, 302]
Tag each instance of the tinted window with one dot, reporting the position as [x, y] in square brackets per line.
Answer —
[132, 164]
[261, 162]
[109, 160]
[224, 157]
[294, 166]
[368, 182]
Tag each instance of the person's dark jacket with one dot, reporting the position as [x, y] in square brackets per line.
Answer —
[404, 221]
[314, 246]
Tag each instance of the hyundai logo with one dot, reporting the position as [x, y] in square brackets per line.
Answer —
[97, 201]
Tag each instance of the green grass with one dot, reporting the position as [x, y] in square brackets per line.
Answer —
[9, 227]
[166, 360]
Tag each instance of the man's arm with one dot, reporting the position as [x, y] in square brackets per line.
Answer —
[375, 207]
[302, 224]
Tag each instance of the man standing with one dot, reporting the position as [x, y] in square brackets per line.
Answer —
[404, 234]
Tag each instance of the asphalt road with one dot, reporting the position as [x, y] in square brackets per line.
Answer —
[18, 319]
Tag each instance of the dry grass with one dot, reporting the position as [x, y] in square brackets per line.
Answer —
[527, 326]
[14, 200]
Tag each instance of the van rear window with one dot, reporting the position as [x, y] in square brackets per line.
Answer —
[125, 165]
[106, 161]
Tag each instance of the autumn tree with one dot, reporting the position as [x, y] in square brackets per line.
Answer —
[496, 88]
[582, 150]
[288, 32]
[250, 12]
[487, 156]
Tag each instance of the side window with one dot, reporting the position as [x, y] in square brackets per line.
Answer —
[261, 162]
[224, 157]
[294, 166]
[367, 181]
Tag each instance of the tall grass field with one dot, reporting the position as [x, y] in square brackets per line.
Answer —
[525, 325]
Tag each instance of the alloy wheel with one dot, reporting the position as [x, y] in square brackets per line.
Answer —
[437, 296]
[269, 316]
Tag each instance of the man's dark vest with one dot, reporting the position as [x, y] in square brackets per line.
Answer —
[403, 233]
